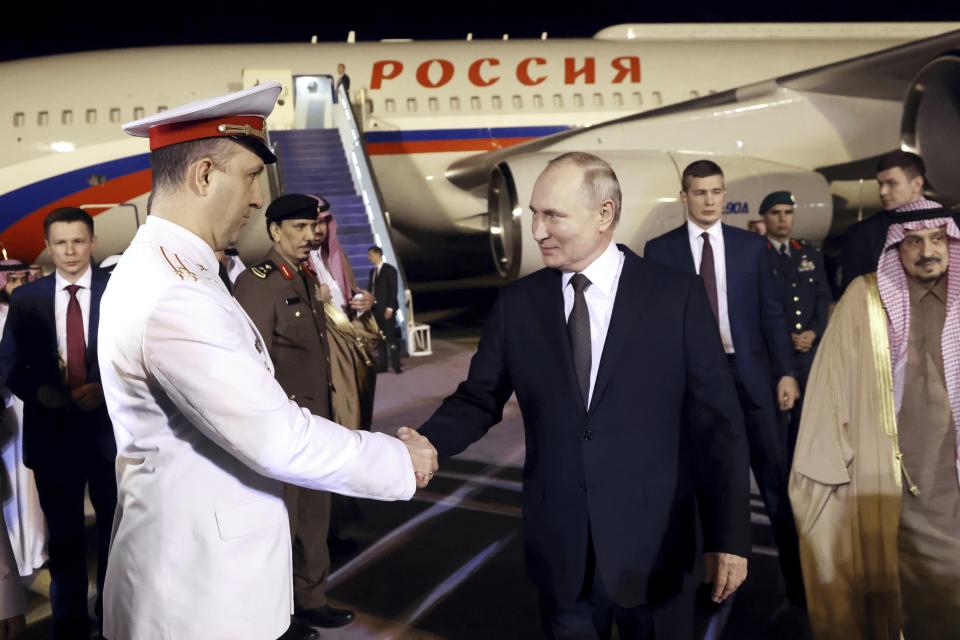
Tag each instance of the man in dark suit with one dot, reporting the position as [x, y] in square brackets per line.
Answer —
[383, 284]
[803, 290]
[282, 300]
[901, 180]
[743, 298]
[48, 357]
[605, 352]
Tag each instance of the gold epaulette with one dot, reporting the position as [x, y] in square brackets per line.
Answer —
[263, 269]
[176, 263]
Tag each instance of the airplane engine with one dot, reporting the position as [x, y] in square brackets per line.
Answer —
[931, 124]
[650, 182]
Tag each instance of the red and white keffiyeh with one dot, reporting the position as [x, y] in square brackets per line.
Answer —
[919, 205]
[892, 281]
[329, 258]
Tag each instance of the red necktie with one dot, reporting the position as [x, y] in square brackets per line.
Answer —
[76, 344]
[708, 271]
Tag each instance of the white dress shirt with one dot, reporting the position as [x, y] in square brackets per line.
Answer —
[720, 268]
[206, 437]
[604, 276]
[62, 300]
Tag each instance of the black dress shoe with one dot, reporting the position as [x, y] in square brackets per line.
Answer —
[300, 631]
[326, 617]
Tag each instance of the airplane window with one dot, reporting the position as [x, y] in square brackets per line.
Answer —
[597, 100]
[577, 100]
[390, 105]
[454, 104]
[658, 97]
[137, 113]
[497, 102]
[558, 101]
[433, 104]
[412, 105]
[369, 104]
[19, 119]
[475, 103]
[91, 116]
[637, 98]
[694, 93]
[538, 101]
[115, 114]
[517, 102]
[618, 99]
[43, 118]
[162, 107]
[66, 116]
[712, 91]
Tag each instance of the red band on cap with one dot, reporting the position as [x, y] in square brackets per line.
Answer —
[164, 135]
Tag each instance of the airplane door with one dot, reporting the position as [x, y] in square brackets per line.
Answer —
[282, 117]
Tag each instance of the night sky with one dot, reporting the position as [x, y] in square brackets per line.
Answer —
[83, 26]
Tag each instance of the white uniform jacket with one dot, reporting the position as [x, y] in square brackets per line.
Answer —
[205, 437]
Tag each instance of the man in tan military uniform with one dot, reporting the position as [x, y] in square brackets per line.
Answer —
[280, 298]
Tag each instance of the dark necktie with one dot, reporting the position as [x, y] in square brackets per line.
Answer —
[578, 329]
[708, 271]
[76, 344]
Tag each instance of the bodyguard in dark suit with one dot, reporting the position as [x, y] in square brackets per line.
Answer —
[48, 357]
[803, 289]
[384, 285]
[605, 352]
[281, 299]
[901, 181]
[736, 270]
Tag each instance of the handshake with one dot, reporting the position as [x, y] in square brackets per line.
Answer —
[422, 454]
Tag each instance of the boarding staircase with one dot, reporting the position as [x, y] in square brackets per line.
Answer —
[331, 162]
[313, 161]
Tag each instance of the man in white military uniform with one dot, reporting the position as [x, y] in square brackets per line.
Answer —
[205, 435]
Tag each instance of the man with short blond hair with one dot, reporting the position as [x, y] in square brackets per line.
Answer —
[49, 359]
[735, 268]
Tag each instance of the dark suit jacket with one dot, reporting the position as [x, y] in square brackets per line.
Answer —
[760, 336]
[293, 324]
[629, 470]
[863, 243]
[29, 361]
[384, 287]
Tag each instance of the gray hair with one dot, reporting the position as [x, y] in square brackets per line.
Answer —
[599, 180]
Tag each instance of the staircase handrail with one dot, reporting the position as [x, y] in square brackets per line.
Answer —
[362, 171]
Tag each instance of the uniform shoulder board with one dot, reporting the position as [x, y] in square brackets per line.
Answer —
[263, 269]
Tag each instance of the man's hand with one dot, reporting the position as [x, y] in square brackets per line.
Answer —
[787, 392]
[11, 628]
[803, 341]
[324, 294]
[388, 313]
[87, 397]
[422, 454]
[363, 303]
[726, 571]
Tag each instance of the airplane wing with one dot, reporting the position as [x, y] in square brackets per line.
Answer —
[920, 81]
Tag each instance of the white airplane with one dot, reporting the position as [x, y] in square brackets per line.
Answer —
[457, 130]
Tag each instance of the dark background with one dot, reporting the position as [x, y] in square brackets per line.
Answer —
[41, 28]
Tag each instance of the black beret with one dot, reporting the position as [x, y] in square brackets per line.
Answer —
[295, 206]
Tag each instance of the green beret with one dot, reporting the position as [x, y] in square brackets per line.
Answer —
[775, 198]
